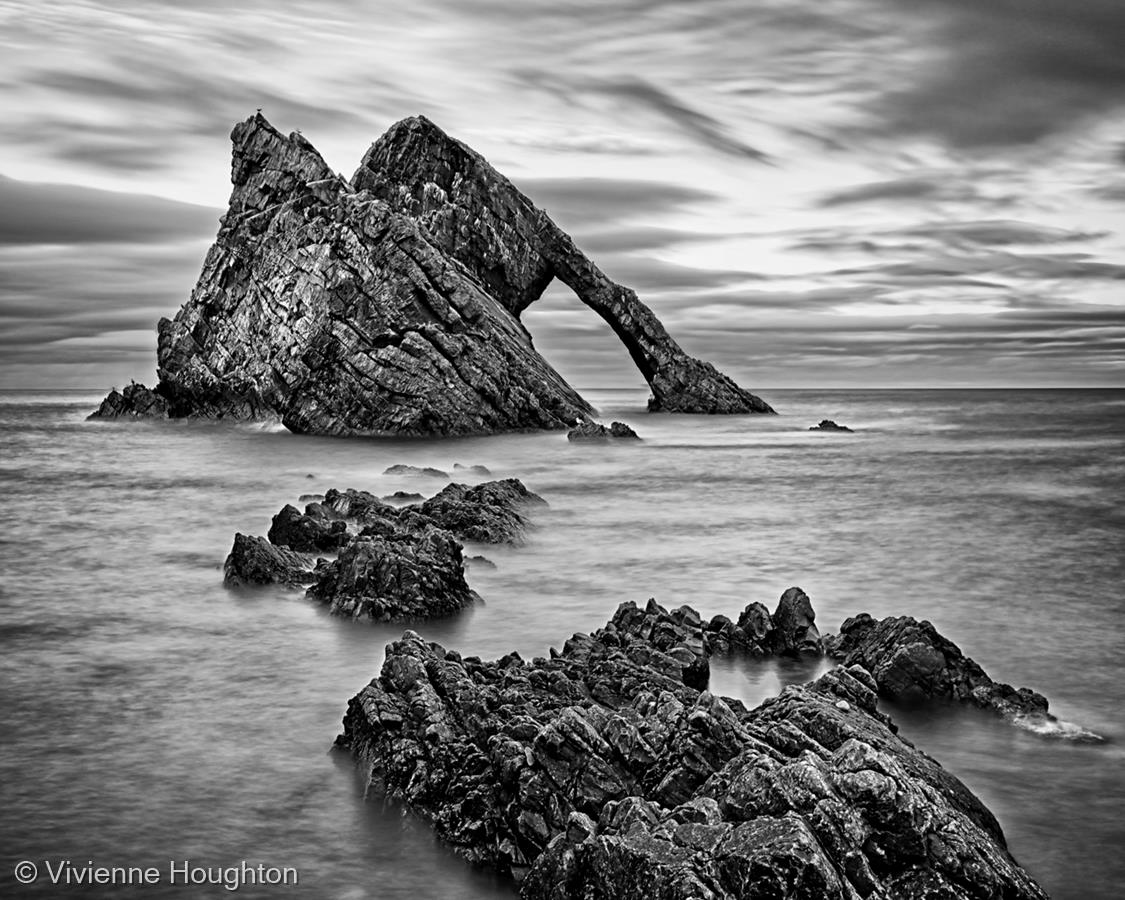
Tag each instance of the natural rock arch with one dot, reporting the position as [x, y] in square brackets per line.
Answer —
[390, 304]
[481, 219]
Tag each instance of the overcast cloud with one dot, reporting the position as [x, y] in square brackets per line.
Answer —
[861, 192]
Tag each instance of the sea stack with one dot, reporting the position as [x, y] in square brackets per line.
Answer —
[390, 304]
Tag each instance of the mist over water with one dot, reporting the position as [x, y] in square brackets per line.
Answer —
[150, 715]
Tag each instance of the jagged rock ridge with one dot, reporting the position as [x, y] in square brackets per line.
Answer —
[606, 771]
[389, 305]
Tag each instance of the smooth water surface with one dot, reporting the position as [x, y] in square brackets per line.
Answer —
[150, 715]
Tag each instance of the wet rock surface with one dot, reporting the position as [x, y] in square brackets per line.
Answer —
[912, 661]
[595, 431]
[607, 771]
[390, 304]
[395, 562]
[472, 470]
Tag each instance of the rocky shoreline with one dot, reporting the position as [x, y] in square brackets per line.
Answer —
[608, 770]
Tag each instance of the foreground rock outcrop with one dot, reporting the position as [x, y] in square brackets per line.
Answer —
[606, 771]
[390, 304]
[394, 562]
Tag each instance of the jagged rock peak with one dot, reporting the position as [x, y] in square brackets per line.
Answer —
[267, 167]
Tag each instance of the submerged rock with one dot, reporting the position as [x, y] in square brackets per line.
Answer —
[404, 497]
[472, 470]
[254, 561]
[390, 304]
[401, 469]
[595, 431]
[911, 660]
[828, 425]
[135, 402]
[605, 772]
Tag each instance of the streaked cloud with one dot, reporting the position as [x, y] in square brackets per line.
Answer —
[942, 199]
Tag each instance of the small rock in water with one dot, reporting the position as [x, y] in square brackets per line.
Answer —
[829, 425]
[401, 469]
[254, 560]
[480, 561]
[135, 402]
[595, 431]
[404, 497]
[475, 470]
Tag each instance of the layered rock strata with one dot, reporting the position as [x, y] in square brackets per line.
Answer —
[390, 305]
[606, 771]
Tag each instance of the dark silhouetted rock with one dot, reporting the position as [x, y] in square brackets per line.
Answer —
[481, 562]
[789, 631]
[429, 471]
[487, 513]
[911, 660]
[308, 534]
[254, 560]
[473, 470]
[397, 576]
[794, 629]
[135, 402]
[595, 431]
[602, 772]
[828, 425]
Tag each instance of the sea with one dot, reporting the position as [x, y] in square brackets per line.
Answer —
[153, 718]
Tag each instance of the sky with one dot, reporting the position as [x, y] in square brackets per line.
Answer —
[833, 193]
